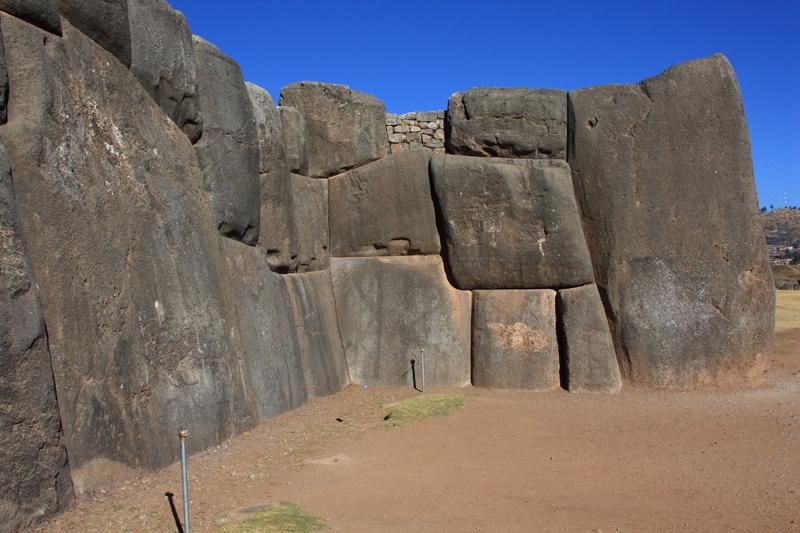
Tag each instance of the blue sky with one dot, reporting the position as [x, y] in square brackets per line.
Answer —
[413, 54]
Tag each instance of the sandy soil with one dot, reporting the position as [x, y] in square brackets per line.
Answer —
[508, 461]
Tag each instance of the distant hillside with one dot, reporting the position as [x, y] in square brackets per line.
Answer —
[782, 226]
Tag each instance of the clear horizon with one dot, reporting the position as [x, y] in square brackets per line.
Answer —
[394, 51]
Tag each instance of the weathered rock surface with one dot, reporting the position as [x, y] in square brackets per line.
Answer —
[103, 21]
[507, 122]
[384, 208]
[664, 178]
[162, 58]
[509, 223]
[586, 345]
[34, 476]
[514, 341]
[390, 309]
[228, 149]
[41, 13]
[314, 313]
[270, 131]
[264, 333]
[294, 136]
[3, 83]
[295, 218]
[344, 128]
[121, 240]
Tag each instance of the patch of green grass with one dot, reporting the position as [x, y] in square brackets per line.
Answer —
[422, 407]
[285, 518]
[787, 311]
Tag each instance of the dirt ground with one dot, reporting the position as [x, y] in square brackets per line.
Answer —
[507, 461]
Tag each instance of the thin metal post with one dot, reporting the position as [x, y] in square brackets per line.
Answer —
[183, 434]
[423, 369]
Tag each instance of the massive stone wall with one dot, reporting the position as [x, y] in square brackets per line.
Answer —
[213, 259]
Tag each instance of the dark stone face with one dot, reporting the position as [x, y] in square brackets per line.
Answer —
[314, 313]
[390, 308]
[509, 223]
[103, 21]
[670, 212]
[344, 128]
[41, 13]
[586, 345]
[295, 219]
[34, 475]
[228, 149]
[162, 58]
[514, 342]
[384, 208]
[294, 137]
[508, 122]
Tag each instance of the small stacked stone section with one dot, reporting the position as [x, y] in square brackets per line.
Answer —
[424, 129]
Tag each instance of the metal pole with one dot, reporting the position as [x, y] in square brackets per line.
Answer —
[423, 369]
[183, 434]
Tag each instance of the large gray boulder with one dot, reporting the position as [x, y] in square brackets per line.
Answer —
[588, 351]
[384, 208]
[507, 122]
[314, 314]
[509, 223]
[34, 475]
[228, 149]
[133, 282]
[41, 13]
[103, 21]
[294, 137]
[514, 341]
[295, 218]
[344, 128]
[392, 308]
[664, 177]
[162, 58]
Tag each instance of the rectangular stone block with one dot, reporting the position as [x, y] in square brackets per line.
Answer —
[344, 128]
[514, 341]
[320, 344]
[295, 217]
[228, 149]
[390, 309]
[509, 223]
[508, 122]
[586, 345]
[671, 218]
[384, 208]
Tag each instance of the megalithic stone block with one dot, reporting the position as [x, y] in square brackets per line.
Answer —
[295, 211]
[103, 21]
[294, 137]
[228, 148]
[509, 223]
[162, 58]
[586, 345]
[514, 341]
[392, 308]
[34, 474]
[314, 313]
[508, 122]
[664, 178]
[41, 13]
[384, 208]
[344, 128]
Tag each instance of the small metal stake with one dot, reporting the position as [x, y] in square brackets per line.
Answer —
[423, 369]
[183, 434]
